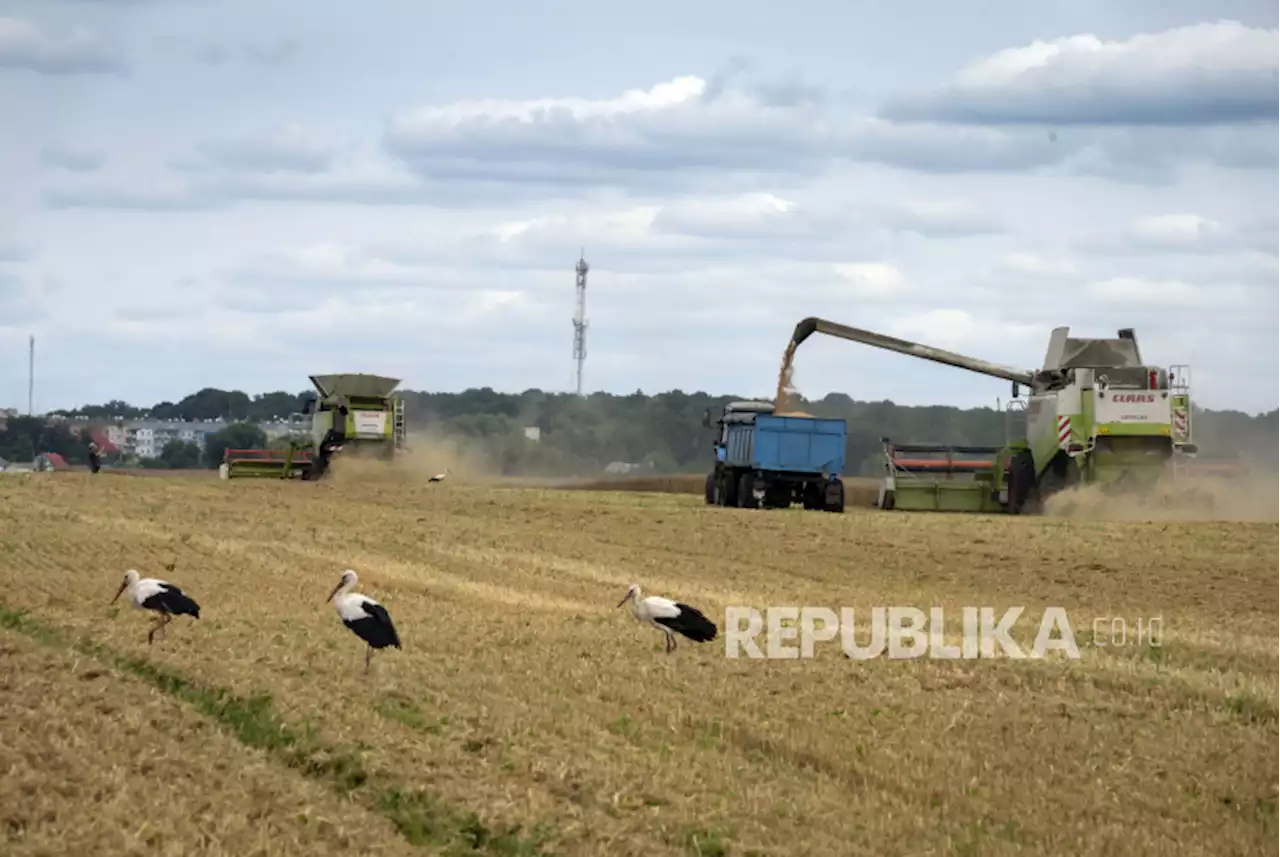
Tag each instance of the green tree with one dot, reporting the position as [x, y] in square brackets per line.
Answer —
[180, 454]
[234, 436]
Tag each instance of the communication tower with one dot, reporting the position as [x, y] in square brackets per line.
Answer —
[580, 318]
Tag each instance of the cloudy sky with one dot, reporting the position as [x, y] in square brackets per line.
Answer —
[239, 194]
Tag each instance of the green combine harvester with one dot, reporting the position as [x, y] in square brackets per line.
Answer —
[1095, 414]
[353, 414]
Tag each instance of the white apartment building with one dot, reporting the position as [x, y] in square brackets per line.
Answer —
[147, 438]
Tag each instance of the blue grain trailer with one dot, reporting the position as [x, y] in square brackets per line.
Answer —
[769, 461]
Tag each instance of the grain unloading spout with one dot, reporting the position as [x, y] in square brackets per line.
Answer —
[354, 386]
[811, 325]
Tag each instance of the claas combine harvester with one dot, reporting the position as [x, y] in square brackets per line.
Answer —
[352, 415]
[1095, 414]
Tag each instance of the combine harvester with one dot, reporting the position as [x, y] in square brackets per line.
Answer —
[1096, 414]
[354, 414]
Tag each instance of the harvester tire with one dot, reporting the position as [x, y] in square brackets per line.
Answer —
[1022, 481]
[711, 488]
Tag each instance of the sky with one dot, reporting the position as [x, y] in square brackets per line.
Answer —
[238, 194]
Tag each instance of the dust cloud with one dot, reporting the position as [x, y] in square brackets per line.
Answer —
[1194, 498]
[424, 456]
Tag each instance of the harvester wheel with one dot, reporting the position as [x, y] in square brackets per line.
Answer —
[1022, 480]
[711, 488]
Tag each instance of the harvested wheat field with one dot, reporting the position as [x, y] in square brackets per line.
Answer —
[526, 715]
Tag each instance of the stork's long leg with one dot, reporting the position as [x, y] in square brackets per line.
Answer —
[368, 655]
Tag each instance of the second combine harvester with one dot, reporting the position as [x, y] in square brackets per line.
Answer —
[1095, 414]
[352, 412]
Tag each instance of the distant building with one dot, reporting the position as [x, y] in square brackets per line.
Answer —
[534, 433]
[50, 461]
[147, 438]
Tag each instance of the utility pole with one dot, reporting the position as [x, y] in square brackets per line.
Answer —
[31, 375]
[580, 318]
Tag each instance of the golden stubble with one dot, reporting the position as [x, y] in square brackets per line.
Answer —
[98, 763]
[522, 694]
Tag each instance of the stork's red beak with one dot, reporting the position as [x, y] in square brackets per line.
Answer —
[118, 591]
[334, 592]
[625, 599]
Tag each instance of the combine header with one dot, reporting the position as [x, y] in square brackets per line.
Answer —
[1095, 414]
[353, 414]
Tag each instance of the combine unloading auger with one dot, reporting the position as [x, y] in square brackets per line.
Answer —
[1095, 414]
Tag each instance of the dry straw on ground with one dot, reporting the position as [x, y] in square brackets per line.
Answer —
[97, 763]
[524, 697]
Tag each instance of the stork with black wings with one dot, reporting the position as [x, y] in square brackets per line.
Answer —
[670, 617]
[366, 618]
[160, 596]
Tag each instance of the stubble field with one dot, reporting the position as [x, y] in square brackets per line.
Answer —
[525, 715]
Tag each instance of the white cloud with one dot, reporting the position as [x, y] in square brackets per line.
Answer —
[715, 209]
[26, 47]
[1200, 74]
[1187, 233]
[872, 279]
[942, 219]
[1140, 292]
[1036, 265]
[958, 329]
[677, 130]
[12, 250]
[265, 54]
[72, 159]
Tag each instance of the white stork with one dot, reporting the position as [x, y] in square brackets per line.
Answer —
[439, 477]
[670, 617]
[166, 599]
[368, 619]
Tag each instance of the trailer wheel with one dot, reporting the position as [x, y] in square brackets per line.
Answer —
[812, 496]
[711, 488]
[745, 500]
[727, 487]
[835, 496]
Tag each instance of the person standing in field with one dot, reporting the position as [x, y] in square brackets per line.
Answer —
[95, 457]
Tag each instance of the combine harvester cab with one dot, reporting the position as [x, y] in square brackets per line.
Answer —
[352, 414]
[766, 460]
[1096, 414]
[365, 418]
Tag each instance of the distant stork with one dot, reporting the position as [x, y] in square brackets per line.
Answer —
[148, 593]
[670, 617]
[439, 477]
[367, 618]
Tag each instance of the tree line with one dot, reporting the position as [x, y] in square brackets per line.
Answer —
[582, 435]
